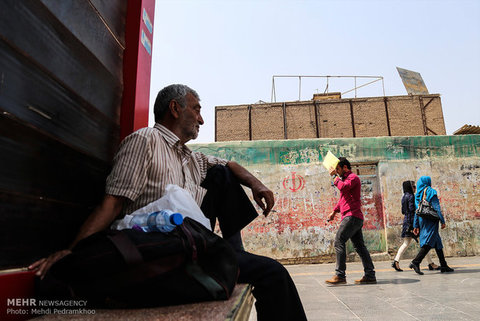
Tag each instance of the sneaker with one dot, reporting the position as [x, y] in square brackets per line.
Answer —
[366, 280]
[336, 280]
[416, 268]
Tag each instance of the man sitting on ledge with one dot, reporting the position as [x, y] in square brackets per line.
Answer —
[151, 158]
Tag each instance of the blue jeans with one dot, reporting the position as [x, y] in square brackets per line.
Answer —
[351, 228]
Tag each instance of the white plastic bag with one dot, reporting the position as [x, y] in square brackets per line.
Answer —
[175, 199]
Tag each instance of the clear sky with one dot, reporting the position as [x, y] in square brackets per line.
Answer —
[228, 51]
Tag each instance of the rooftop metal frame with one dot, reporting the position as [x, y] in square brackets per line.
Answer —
[376, 78]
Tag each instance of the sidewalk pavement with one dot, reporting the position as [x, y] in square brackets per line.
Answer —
[396, 296]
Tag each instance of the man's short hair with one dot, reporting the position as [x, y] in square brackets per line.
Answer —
[175, 92]
[343, 161]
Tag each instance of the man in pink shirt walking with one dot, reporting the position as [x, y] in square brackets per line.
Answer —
[349, 206]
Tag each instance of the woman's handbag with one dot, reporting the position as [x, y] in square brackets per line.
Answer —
[426, 210]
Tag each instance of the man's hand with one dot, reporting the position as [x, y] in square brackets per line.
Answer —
[99, 219]
[43, 265]
[333, 172]
[443, 226]
[261, 192]
[331, 216]
[416, 231]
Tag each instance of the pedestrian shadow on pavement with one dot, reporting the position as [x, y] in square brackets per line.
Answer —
[397, 281]
[379, 281]
[460, 270]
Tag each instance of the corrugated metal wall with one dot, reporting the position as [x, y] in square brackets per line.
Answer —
[60, 95]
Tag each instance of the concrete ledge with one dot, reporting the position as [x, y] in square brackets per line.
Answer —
[242, 305]
[237, 308]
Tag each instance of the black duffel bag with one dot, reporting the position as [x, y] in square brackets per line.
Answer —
[131, 268]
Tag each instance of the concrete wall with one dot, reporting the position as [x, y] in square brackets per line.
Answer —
[359, 117]
[297, 231]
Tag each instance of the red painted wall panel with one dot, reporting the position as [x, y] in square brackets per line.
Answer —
[137, 66]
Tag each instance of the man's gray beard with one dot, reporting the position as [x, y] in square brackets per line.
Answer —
[195, 135]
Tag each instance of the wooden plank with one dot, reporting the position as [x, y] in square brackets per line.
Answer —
[40, 37]
[38, 165]
[84, 23]
[27, 234]
[114, 13]
[46, 191]
[34, 97]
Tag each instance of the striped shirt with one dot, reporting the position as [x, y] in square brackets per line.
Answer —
[150, 159]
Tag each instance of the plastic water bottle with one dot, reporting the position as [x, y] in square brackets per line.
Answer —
[162, 221]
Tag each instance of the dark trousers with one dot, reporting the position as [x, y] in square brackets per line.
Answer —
[351, 228]
[273, 288]
[424, 251]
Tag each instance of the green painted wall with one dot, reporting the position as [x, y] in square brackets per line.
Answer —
[297, 229]
[360, 149]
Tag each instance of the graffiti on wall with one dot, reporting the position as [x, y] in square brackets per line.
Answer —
[297, 226]
[304, 196]
[294, 182]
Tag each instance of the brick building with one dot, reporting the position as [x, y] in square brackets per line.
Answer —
[328, 116]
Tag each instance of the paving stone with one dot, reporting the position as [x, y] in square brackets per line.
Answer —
[396, 296]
